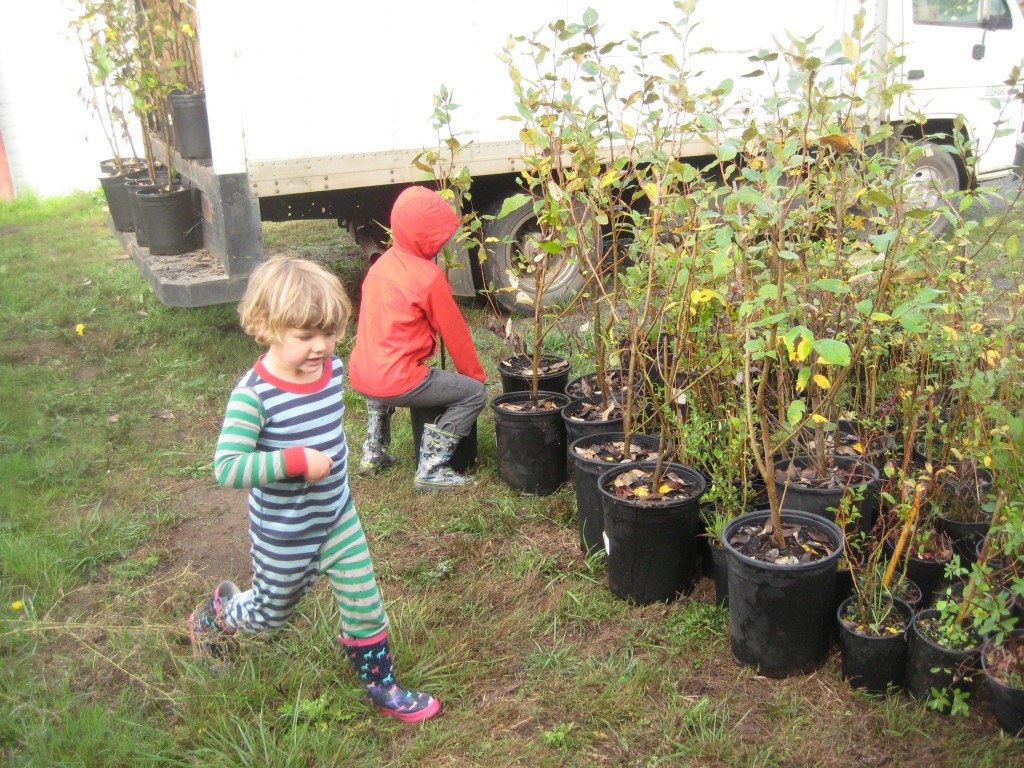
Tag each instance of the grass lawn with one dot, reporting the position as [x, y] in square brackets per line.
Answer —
[112, 529]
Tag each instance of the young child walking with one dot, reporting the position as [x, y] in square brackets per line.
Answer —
[283, 439]
[406, 305]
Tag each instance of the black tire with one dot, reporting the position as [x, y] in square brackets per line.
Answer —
[930, 179]
[506, 240]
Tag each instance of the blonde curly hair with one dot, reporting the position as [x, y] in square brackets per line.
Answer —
[288, 292]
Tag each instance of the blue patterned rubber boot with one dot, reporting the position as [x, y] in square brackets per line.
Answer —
[371, 660]
[434, 473]
[207, 622]
[378, 439]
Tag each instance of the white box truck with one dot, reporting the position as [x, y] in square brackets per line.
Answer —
[317, 108]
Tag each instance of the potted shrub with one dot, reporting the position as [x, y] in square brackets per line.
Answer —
[651, 524]
[872, 629]
[106, 30]
[528, 424]
[590, 456]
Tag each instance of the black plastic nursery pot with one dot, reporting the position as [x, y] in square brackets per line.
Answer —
[172, 223]
[126, 165]
[464, 456]
[781, 616]
[930, 665]
[1007, 703]
[720, 571]
[825, 501]
[516, 381]
[575, 428]
[589, 508]
[531, 445]
[117, 202]
[136, 181]
[871, 662]
[964, 536]
[190, 125]
[653, 550]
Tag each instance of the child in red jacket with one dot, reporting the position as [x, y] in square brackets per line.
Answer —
[406, 304]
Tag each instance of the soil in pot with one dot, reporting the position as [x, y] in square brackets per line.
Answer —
[587, 387]
[651, 530]
[802, 487]
[905, 591]
[125, 165]
[873, 656]
[517, 373]
[781, 599]
[857, 440]
[934, 663]
[586, 417]
[1004, 679]
[531, 441]
[591, 455]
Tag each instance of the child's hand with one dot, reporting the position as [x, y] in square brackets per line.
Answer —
[318, 465]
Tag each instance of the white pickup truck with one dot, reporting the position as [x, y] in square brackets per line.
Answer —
[317, 109]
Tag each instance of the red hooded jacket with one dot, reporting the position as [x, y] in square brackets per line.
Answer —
[406, 302]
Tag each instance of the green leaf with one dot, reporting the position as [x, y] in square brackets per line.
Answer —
[802, 377]
[877, 198]
[832, 351]
[1012, 246]
[833, 286]
[513, 203]
[796, 411]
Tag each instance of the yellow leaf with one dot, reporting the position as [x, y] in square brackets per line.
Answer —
[80, 329]
[665, 489]
[817, 418]
[822, 381]
[987, 461]
[838, 142]
[608, 178]
[642, 491]
[991, 357]
[803, 349]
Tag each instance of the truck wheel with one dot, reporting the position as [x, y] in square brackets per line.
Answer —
[932, 176]
[509, 243]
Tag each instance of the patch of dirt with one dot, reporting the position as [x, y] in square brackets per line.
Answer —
[213, 540]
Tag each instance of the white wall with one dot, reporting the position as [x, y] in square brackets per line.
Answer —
[53, 144]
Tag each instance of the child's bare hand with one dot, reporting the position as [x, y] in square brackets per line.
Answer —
[318, 465]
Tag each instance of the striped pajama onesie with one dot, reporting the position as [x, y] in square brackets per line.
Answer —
[298, 530]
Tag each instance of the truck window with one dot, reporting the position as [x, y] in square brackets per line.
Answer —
[961, 13]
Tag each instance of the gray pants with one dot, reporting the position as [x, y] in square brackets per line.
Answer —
[462, 397]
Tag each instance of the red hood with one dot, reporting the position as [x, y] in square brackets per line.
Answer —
[421, 222]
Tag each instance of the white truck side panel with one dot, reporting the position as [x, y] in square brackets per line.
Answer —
[327, 95]
[319, 95]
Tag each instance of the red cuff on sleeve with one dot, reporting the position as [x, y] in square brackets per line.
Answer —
[295, 461]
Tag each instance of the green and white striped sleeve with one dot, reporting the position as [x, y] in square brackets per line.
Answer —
[236, 462]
